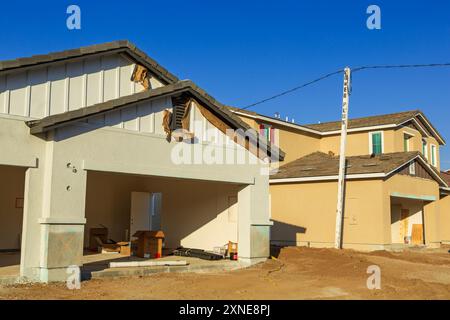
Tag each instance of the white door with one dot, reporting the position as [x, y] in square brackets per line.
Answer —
[140, 212]
[145, 212]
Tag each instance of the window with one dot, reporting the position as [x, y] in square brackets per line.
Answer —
[269, 133]
[407, 142]
[433, 155]
[425, 148]
[412, 168]
[376, 143]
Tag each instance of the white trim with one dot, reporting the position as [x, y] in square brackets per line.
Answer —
[433, 154]
[385, 126]
[426, 148]
[324, 178]
[370, 141]
[431, 127]
[408, 145]
[417, 123]
[328, 133]
[280, 122]
[412, 168]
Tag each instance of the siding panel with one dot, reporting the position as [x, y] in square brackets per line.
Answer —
[17, 84]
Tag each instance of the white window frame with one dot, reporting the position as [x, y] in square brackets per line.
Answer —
[370, 141]
[426, 148]
[433, 150]
[408, 146]
[412, 168]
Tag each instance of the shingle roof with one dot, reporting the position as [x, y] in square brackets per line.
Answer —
[118, 46]
[446, 177]
[393, 118]
[320, 164]
[50, 122]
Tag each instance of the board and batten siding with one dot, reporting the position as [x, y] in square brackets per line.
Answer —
[60, 87]
[144, 117]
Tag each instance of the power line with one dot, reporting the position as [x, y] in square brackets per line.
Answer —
[342, 70]
[293, 89]
[401, 66]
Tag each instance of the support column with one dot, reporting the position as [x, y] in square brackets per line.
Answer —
[431, 217]
[254, 221]
[54, 217]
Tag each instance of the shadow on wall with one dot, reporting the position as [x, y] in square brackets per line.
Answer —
[194, 213]
[284, 235]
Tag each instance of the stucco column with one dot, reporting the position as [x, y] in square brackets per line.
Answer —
[431, 217]
[54, 216]
[31, 245]
[254, 221]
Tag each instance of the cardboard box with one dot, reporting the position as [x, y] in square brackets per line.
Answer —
[149, 244]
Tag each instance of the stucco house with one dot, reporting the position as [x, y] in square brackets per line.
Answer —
[82, 130]
[395, 194]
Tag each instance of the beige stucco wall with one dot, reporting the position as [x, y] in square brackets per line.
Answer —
[11, 190]
[418, 189]
[195, 214]
[296, 145]
[305, 214]
[444, 208]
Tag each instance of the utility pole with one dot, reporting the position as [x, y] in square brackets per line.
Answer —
[342, 161]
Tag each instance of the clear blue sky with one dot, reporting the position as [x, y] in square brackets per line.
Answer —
[243, 51]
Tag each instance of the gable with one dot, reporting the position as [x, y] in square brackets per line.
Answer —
[69, 85]
[420, 171]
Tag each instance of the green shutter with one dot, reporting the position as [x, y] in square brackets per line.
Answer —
[376, 143]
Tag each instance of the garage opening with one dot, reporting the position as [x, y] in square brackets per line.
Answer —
[191, 213]
[11, 217]
[407, 223]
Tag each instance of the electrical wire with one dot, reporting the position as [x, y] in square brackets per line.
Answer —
[293, 89]
[341, 71]
[401, 66]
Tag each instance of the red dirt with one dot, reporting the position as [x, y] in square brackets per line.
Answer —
[298, 273]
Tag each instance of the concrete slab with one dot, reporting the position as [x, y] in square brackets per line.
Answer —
[97, 266]
[9, 267]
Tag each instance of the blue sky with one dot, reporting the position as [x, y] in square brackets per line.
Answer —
[243, 51]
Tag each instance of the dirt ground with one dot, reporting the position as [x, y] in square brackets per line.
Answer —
[297, 273]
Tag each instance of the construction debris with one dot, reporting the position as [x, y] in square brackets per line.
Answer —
[196, 253]
[141, 75]
[126, 264]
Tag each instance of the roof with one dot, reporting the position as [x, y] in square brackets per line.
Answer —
[115, 46]
[58, 120]
[446, 176]
[378, 120]
[394, 119]
[398, 118]
[252, 114]
[319, 164]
